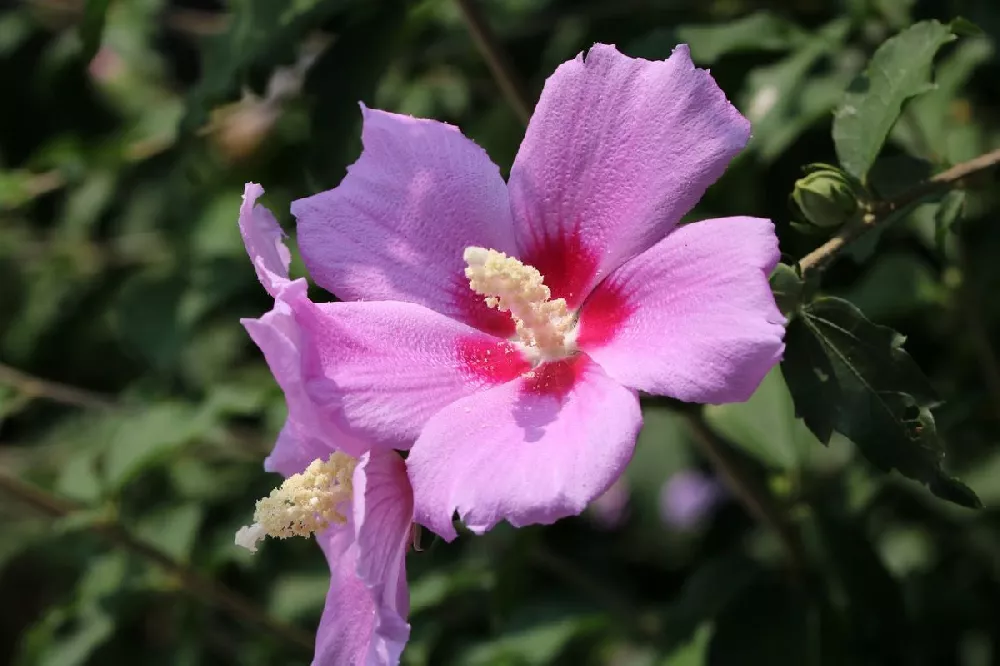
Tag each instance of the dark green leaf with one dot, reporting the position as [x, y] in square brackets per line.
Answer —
[94, 16]
[339, 80]
[787, 287]
[930, 120]
[964, 27]
[772, 623]
[148, 437]
[900, 69]
[537, 637]
[782, 100]
[852, 375]
[706, 593]
[810, 378]
[760, 31]
[149, 318]
[865, 593]
[259, 31]
[948, 213]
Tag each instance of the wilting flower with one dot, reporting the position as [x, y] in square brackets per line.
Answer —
[356, 499]
[506, 328]
[687, 498]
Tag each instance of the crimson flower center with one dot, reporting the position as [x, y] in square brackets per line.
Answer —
[545, 327]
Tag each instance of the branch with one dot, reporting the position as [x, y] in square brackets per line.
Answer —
[198, 586]
[754, 497]
[880, 211]
[496, 59]
[36, 387]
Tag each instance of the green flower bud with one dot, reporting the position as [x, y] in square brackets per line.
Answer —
[826, 198]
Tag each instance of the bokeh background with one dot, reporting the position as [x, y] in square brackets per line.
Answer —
[135, 412]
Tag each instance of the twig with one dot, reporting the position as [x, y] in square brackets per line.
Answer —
[198, 586]
[882, 210]
[37, 387]
[496, 59]
[755, 498]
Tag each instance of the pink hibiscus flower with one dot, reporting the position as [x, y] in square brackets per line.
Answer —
[355, 498]
[505, 329]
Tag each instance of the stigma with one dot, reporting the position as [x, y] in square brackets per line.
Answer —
[543, 325]
[304, 504]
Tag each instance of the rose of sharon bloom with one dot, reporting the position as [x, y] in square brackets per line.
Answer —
[506, 328]
[354, 498]
[687, 498]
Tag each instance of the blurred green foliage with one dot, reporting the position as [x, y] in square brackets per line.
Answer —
[131, 397]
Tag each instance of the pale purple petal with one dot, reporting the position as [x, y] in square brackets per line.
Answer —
[355, 629]
[693, 317]
[307, 434]
[397, 225]
[618, 149]
[385, 368]
[533, 450]
[383, 518]
[264, 241]
[687, 498]
[293, 452]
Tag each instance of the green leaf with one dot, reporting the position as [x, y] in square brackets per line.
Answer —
[771, 623]
[435, 587]
[259, 31]
[782, 100]
[338, 79]
[930, 118]
[299, 595]
[848, 374]
[810, 378]
[948, 213]
[146, 438]
[79, 479]
[765, 426]
[92, 27]
[869, 600]
[899, 70]
[148, 318]
[896, 285]
[761, 31]
[173, 529]
[91, 630]
[787, 287]
[694, 652]
[537, 637]
[706, 593]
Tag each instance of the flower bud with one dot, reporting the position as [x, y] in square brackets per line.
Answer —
[826, 197]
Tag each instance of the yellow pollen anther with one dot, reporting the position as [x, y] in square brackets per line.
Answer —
[304, 504]
[511, 286]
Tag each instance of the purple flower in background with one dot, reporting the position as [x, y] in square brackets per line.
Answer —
[687, 498]
[355, 498]
[504, 329]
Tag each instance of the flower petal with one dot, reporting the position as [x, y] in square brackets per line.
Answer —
[292, 453]
[384, 368]
[529, 451]
[307, 434]
[355, 629]
[397, 225]
[383, 517]
[263, 239]
[618, 149]
[693, 317]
